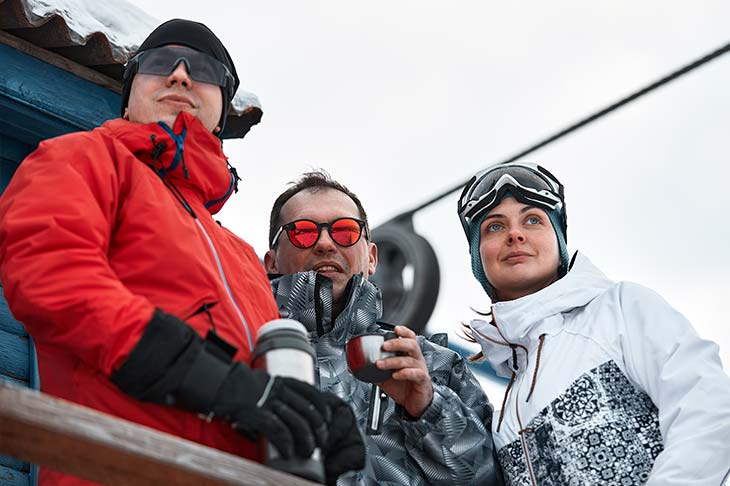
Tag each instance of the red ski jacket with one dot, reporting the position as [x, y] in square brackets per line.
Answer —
[99, 228]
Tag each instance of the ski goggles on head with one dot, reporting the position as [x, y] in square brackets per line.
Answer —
[304, 233]
[529, 183]
[162, 61]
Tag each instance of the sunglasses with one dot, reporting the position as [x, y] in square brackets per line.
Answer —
[304, 233]
[162, 61]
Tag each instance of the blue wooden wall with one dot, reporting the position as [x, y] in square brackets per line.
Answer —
[37, 101]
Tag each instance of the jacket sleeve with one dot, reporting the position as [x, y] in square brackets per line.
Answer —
[452, 441]
[56, 221]
[683, 375]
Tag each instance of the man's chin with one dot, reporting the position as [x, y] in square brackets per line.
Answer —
[167, 118]
[170, 113]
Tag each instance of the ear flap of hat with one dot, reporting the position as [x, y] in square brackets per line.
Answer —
[477, 267]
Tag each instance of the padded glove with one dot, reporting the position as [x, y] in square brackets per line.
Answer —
[173, 365]
[344, 450]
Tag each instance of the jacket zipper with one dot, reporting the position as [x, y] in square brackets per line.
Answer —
[159, 147]
[521, 432]
[225, 283]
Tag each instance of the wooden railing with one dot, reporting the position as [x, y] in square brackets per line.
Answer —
[83, 442]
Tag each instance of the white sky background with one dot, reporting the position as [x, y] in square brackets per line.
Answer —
[400, 100]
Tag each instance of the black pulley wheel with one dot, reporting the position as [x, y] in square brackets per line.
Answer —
[407, 274]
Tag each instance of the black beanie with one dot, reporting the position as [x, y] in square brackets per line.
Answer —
[196, 36]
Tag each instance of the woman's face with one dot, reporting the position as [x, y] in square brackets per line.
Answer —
[519, 249]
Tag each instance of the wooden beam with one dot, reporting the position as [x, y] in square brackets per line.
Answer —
[39, 100]
[83, 442]
[61, 62]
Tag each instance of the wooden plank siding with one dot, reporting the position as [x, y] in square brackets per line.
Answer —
[18, 367]
[14, 356]
[13, 477]
[40, 101]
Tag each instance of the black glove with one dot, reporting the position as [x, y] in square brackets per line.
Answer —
[172, 365]
[291, 415]
[344, 450]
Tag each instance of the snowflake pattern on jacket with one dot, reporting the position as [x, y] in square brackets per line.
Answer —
[602, 430]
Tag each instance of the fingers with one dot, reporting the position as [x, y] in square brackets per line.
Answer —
[346, 450]
[310, 405]
[274, 430]
[348, 456]
[398, 362]
[415, 375]
[406, 345]
[410, 362]
[404, 332]
[301, 433]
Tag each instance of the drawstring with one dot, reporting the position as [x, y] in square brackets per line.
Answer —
[179, 148]
[512, 379]
[514, 363]
[160, 147]
[182, 159]
[537, 365]
[504, 401]
[511, 382]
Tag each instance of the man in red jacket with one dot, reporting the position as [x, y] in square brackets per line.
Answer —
[140, 304]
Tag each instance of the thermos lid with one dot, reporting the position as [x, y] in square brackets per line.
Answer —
[279, 334]
[279, 325]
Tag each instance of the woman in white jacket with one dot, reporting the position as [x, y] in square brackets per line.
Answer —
[608, 384]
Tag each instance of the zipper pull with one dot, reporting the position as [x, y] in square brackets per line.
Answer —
[182, 159]
[157, 152]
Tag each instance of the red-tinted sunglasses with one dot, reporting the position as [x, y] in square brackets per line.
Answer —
[304, 233]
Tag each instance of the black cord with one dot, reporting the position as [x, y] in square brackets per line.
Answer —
[585, 121]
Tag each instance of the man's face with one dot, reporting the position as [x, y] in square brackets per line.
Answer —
[161, 98]
[326, 257]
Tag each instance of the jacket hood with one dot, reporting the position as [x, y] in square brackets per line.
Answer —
[517, 324]
[187, 154]
[307, 298]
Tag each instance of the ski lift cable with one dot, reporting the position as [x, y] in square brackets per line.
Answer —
[585, 121]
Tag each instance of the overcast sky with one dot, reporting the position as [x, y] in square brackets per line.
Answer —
[400, 100]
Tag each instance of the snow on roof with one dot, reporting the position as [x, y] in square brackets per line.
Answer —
[124, 25]
[101, 38]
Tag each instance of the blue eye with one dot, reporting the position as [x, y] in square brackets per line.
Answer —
[494, 227]
[533, 220]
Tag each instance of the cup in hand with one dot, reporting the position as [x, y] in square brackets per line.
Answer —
[363, 351]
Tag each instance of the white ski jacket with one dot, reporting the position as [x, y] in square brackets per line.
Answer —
[611, 386]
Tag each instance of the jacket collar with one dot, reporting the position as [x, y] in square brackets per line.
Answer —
[307, 297]
[517, 325]
[187, 154]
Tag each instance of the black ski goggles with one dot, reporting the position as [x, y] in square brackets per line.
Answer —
[304, 233]
[162, 61]
[529, 183]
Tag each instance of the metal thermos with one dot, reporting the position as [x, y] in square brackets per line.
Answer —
[282, 349]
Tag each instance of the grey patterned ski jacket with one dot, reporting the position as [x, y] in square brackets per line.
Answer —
[449, 444]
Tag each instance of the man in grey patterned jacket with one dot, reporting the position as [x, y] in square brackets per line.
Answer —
[435, 419]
